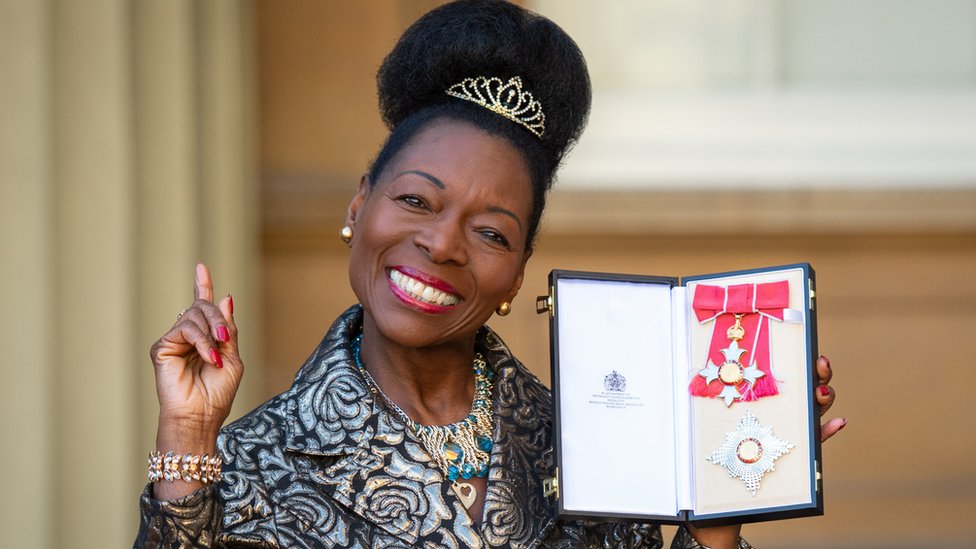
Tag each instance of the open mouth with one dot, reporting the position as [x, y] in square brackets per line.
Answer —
[422, 292]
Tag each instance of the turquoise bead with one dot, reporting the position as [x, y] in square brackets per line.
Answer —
[452, 473]
[453, 452]
[483, 470]
[467, 471]
[484, 443]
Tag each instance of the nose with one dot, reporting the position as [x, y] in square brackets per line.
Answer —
[443, 240]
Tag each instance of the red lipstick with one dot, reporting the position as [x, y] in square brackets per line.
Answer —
[428, 279]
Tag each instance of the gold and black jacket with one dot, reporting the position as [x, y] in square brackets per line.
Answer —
[324, 464]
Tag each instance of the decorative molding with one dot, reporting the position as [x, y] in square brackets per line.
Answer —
[773, 212]
[776, 140]
[308, 211]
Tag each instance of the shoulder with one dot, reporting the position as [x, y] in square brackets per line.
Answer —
[326, 400]
[325, 371]
[264, 426]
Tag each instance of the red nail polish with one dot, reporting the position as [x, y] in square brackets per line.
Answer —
[222, 333]
[824, 390]
[215, 357]
[230, 304]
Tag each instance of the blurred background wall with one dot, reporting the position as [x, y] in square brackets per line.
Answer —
[140, 137]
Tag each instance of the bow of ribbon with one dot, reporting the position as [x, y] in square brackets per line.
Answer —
[753, 305]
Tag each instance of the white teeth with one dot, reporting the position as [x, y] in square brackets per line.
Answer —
[421, 291]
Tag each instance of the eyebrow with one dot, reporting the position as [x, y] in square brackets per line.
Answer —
[440, 184]
[496, 209]
[426, 176]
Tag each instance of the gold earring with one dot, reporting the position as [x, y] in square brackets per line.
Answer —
[503, 308]
[345, 234]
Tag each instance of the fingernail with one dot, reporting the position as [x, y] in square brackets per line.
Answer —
[222, 333]
[230, 304]
[827, 360]
[215, 357]
[824, 390]
[199, 272]
[843, 424]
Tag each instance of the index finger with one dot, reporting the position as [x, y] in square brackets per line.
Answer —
[203, 284]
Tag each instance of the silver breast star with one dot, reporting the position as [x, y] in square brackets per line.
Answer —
[750, 451]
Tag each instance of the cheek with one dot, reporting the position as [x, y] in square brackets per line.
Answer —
[356, 277]
[364, 254]
[500, 277]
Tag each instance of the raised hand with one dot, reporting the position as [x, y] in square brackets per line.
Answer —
[198, 371]
[825, 395]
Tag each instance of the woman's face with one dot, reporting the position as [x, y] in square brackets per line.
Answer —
[440, 239]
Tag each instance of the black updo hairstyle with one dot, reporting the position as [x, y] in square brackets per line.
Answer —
[491, 38]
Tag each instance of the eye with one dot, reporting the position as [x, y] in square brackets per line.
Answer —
[412, 201]
[495, 236]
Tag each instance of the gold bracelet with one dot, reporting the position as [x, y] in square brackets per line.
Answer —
[188, 467]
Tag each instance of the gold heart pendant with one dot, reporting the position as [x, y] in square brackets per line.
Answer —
[466, 493]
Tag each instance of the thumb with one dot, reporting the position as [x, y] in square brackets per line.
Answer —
[832, 427]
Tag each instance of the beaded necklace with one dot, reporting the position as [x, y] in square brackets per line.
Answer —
[462, 449]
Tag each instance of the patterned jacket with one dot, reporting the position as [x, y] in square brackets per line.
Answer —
[326, 465]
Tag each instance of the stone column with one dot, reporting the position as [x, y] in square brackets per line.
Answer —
[125, 159]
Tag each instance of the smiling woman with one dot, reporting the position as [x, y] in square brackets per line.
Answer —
[411, 424]
[446, 216]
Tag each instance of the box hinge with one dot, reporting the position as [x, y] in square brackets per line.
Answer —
[550, 486]
[816, 467]
[543, 304]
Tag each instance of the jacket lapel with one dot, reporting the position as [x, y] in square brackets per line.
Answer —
[516, 512]
[359, 457]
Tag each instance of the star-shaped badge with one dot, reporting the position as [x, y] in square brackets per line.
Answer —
[750, 452]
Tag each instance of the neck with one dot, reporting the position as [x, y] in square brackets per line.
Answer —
[433, 385]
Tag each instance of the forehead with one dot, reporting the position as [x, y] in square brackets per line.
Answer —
[461, 154]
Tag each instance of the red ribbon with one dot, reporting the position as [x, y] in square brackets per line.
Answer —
[757, 303]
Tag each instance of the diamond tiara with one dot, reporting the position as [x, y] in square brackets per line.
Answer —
[504, 98]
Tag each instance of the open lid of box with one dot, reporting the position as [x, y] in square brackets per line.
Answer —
[631, 440]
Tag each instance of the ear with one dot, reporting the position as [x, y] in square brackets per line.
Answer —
[517, 283]
[358, 199]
